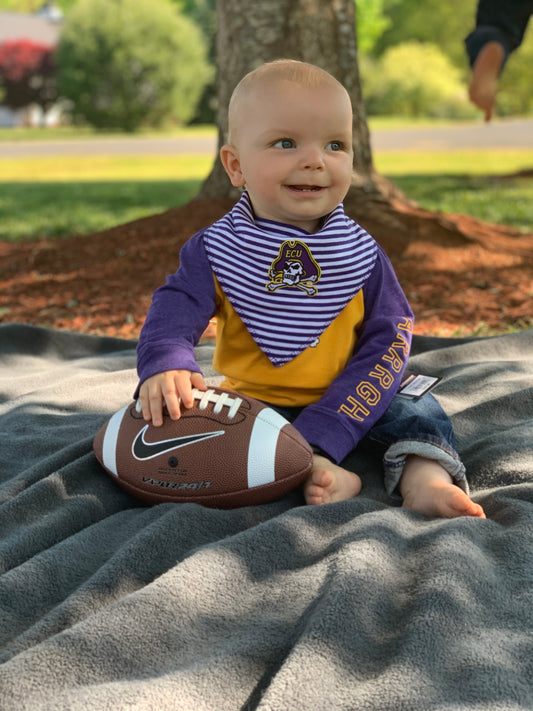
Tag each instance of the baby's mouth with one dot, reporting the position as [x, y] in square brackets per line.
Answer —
[306, 188]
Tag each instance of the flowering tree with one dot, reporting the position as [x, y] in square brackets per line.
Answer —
[27, 74]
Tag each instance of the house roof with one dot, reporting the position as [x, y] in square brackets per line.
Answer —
[16, 25]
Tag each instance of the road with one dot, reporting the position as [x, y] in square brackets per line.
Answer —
[500, 134]
[512, 133]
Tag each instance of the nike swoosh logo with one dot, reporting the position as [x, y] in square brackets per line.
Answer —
[141, 449]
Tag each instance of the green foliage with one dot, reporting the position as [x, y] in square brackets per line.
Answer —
[414, 79]
[445, 24]
[19, 5]
[515, 93]
[203, 14]
[129, 63]
[371, 22]
[31, 6]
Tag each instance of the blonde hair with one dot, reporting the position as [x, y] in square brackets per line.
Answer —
[306, 75]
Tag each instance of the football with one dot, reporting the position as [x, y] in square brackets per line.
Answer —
[227, 451]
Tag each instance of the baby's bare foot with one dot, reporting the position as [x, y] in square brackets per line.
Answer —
[428, 488]
[328, 483]
[444, 500]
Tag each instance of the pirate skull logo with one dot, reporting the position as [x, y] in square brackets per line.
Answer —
[294, 266]
[293, 272]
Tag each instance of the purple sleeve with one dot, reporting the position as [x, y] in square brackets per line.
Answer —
[502, 22]
[180, 311]
[359, 396]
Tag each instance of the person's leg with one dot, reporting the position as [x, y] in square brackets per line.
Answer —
[484, 81]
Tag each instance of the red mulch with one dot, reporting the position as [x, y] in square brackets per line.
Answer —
[457, 272]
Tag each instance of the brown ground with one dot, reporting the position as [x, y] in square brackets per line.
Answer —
[458, 273]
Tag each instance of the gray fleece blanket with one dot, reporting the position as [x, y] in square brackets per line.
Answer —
[109, 604]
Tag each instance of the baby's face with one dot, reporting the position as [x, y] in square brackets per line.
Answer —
[294, 148]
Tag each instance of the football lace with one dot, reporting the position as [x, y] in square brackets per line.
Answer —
[219, 400]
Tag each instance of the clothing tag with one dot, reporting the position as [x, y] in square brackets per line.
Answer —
[414, 385]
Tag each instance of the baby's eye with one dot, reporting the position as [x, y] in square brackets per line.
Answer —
[335, 146]
[284, 143]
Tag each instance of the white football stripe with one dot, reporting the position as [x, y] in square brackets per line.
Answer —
[262, 448]
[109, 445]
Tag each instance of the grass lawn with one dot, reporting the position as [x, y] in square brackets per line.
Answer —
[31, 210]
[478, 183]
[47, 197]
[84, 132]
[66, 195]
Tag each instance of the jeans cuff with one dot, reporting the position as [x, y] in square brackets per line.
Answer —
[396, 456]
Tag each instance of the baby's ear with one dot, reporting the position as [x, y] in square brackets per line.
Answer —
[232, 165]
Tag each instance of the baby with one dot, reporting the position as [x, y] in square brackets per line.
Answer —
[310, 316]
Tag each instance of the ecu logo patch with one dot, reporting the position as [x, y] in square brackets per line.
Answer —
[294, 267]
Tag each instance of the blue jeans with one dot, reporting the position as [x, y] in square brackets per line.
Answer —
[418, 427]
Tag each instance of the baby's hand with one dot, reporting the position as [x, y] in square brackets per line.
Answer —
[172, 388]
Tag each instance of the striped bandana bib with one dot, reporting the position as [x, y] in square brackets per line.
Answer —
[287, 285]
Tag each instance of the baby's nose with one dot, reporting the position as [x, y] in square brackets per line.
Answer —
[313, 159]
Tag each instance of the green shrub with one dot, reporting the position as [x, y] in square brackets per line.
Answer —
[414, 79]
[128, 63]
